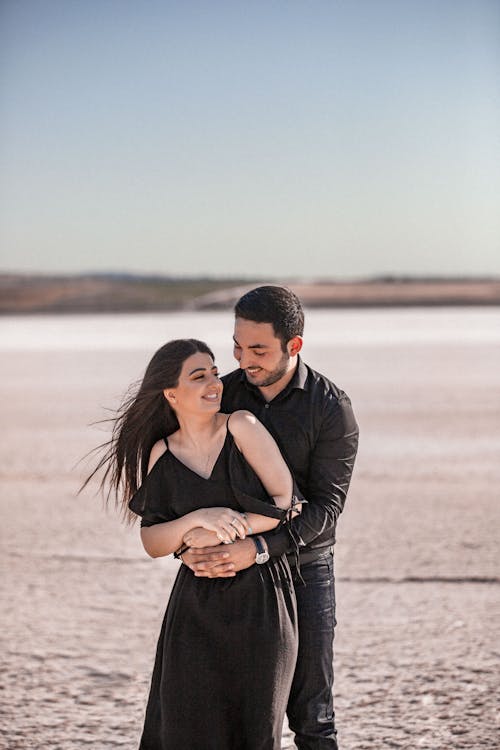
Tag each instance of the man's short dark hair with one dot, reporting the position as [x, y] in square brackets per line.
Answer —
[276, 305]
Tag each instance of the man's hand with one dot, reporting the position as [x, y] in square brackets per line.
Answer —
[223, 561]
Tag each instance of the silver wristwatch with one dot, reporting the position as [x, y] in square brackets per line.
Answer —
[262, 555]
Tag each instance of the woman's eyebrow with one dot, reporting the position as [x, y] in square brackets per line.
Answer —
[202, 369]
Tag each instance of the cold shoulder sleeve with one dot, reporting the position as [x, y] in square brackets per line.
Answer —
[150, 502]
[249, 490]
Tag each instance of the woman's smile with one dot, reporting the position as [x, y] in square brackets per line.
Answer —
[212, 396]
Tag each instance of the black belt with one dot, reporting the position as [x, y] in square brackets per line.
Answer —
[310, 555]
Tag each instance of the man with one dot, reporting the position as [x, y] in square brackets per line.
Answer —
[313, 423]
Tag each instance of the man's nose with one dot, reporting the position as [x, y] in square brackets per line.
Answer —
[243, 358]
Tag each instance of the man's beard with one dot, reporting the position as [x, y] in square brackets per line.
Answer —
[273, 376]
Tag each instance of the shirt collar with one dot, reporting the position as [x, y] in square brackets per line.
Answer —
[299, 379]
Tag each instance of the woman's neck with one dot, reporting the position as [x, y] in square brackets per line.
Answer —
[198, 432]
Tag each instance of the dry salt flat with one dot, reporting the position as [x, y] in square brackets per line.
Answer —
[417, 568]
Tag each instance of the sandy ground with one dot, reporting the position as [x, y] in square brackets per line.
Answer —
[416, 562]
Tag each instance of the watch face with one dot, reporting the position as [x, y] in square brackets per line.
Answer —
[262, 557]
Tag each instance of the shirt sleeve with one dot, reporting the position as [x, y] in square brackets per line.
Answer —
[330, 470]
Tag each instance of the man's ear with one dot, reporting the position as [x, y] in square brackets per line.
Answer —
[294, 345]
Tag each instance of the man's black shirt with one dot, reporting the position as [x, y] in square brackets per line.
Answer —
[313, 423]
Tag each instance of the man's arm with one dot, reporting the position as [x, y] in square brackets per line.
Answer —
[330, 470]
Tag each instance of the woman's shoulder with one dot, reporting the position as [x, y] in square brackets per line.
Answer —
[241, 420]
[157, 451]
[245, 427]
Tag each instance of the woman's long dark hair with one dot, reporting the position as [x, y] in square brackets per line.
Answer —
[143, 418]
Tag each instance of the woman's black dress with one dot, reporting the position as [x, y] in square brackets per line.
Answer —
[227, 648]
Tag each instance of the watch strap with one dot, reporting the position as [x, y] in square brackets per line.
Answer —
[257, 540]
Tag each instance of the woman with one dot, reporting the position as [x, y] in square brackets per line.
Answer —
[227, 648]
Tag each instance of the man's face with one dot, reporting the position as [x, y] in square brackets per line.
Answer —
[259, 353]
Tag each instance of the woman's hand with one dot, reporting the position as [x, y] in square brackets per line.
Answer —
[226, 523]
[200, 537]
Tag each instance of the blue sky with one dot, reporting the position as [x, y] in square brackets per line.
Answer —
[332, 139]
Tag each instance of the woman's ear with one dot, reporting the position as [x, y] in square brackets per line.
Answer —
[294, 346]
[169, 395]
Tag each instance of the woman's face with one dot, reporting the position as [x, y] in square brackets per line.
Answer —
[199, 390]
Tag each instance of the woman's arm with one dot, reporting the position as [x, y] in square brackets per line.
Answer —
[199, 537]
[260, 450]
[167, 537]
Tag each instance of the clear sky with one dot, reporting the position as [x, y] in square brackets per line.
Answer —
[347, 138]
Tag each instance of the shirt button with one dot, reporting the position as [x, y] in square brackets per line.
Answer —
[266, 406]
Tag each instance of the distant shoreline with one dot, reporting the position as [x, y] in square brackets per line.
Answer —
[115, 293]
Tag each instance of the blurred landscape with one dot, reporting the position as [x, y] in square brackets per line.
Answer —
[123, 292]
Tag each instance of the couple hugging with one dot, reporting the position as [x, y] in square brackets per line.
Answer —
[242, 478]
